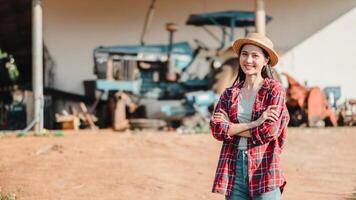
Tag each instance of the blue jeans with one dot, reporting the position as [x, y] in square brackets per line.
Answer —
[240, 189]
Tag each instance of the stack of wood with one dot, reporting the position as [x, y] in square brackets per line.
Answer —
[74, 120]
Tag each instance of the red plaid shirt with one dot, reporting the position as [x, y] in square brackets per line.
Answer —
[264, 147]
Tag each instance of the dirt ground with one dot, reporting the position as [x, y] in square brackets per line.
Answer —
[107, 165]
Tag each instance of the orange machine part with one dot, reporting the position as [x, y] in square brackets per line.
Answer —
[296, 92]
[312, 101]
[318, 107]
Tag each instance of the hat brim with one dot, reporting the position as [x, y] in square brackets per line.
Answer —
[272, 54]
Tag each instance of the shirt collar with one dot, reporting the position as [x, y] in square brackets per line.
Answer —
[263, 88]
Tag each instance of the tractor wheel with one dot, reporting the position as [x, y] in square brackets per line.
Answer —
[147, 123]
[298, 117]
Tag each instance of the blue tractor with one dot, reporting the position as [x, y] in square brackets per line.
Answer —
[172, 81]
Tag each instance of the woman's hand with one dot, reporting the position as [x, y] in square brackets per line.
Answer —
[269, 114]
[221, 117]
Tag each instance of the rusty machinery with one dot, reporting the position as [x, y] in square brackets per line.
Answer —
[308, 106]
[347, 113]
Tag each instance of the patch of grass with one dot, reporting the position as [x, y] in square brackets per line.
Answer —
[44, 133]
[7, 196]
[58, 133]
[136, 131]
[22, 134]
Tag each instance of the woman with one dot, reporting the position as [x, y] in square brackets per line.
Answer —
[251, 119]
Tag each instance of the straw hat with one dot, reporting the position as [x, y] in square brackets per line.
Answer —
[260, 41]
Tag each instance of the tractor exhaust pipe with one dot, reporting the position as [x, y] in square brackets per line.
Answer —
[171, 73]
[260, 17]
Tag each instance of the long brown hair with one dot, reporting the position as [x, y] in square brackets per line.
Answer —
[265, 73]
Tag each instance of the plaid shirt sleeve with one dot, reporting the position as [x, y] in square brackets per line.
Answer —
[220, 129]
[269, 130]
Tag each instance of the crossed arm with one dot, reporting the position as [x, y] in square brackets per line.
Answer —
[242, 129]
[262, 130]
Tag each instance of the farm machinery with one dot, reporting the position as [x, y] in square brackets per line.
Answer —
[176, 84]
[309, 106]
[173, 81]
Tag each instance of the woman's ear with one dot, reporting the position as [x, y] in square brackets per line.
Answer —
[266, 61]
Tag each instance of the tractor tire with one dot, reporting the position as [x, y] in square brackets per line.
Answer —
[147, 123]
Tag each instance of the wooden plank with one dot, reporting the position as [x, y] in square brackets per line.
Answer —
[88, 116]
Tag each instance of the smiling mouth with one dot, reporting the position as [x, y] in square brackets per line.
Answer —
[249, 66]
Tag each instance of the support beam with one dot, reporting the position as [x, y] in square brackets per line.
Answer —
[37, 65]
[260, 17]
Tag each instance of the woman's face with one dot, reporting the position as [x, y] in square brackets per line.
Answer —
[252, 60]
